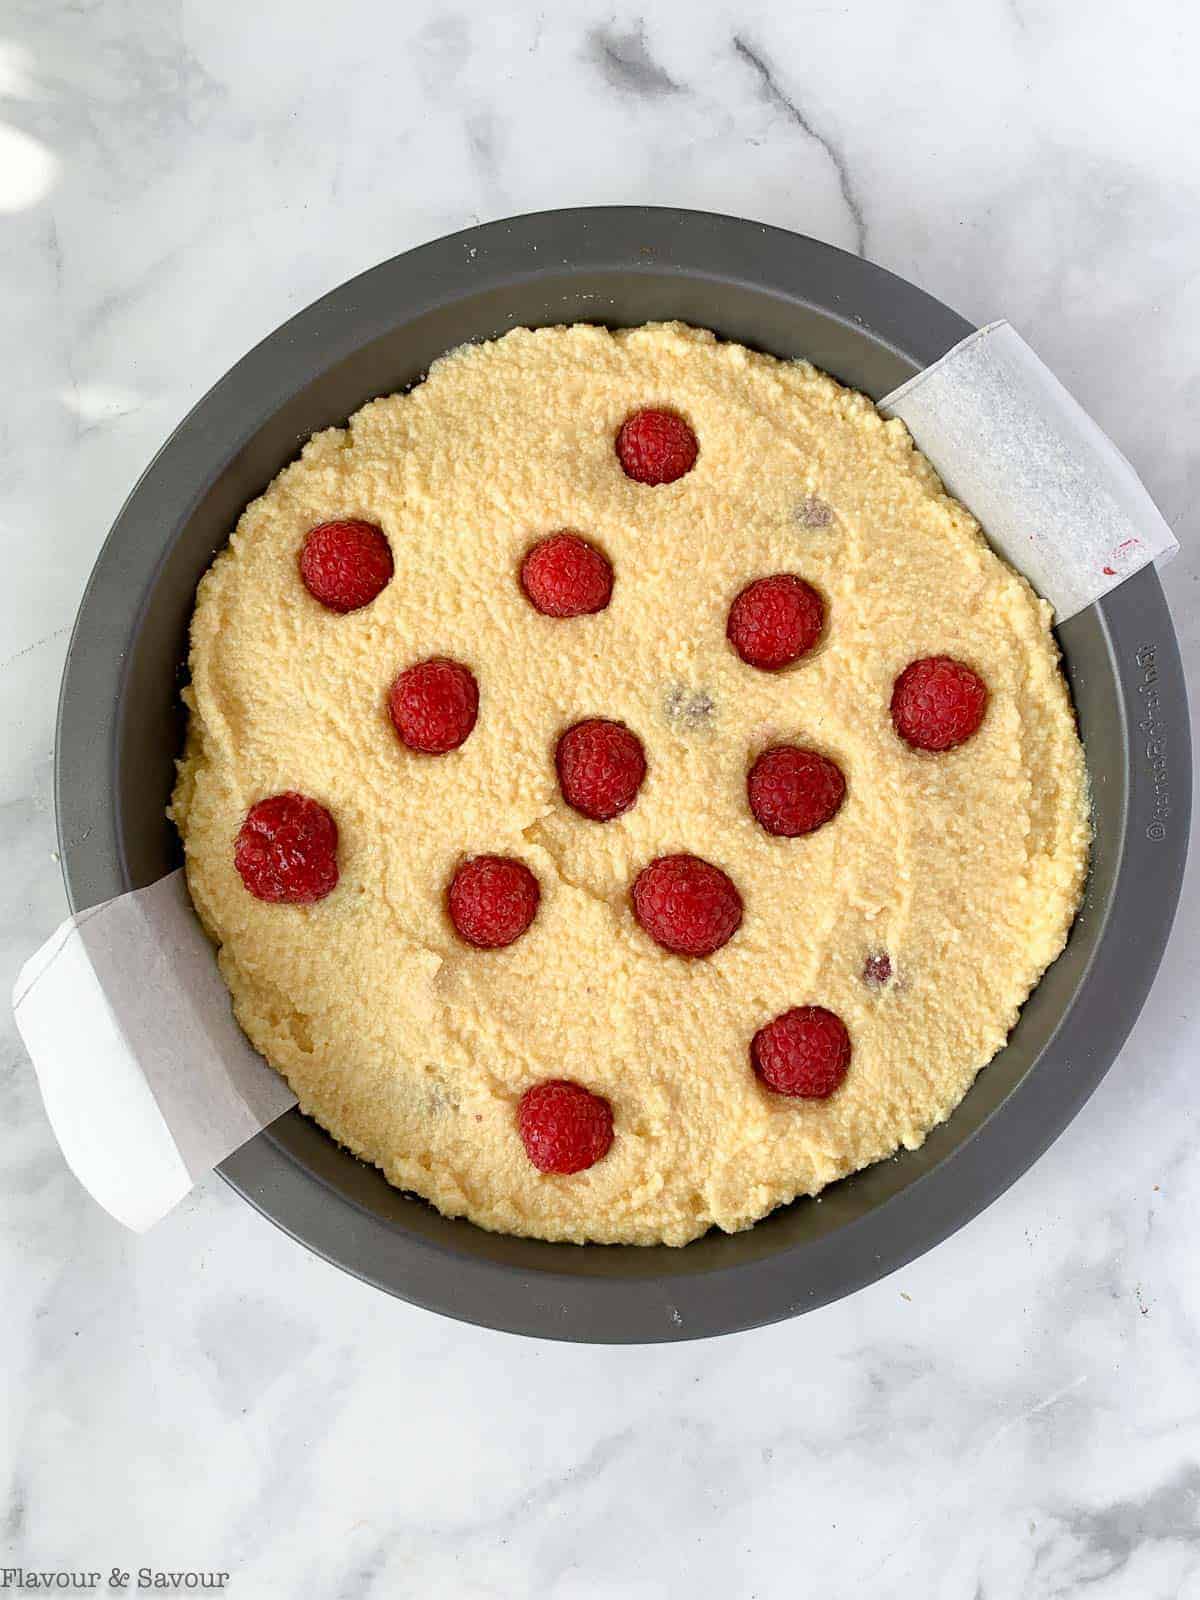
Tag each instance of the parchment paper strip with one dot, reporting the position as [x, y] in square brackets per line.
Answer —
[147, 1079]
[1054, 494]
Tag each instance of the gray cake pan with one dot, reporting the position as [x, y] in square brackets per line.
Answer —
[119, 729]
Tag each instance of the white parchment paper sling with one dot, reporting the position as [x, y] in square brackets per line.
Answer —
[147, 1079]
[1055, 496]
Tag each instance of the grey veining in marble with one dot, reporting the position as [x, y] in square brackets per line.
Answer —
[1015, 1415]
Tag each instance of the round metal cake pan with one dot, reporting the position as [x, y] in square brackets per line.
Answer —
[120, 727]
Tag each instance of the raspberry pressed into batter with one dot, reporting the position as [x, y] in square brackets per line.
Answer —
[492, 900]
[346, 565]
[565, 576]
[794, 791]
[687, 905]
[804, 1053]
[938, 703]
[433, 705]
[564, 1127]
[286, 850]
[656, 447]
[600, 768]
[775, 621]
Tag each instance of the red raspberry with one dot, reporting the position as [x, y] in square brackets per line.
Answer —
[286, 850]
[794, 791]
[565, 576]
[492, 900]
[937, 703]
[345, 565]
[656, 447]
[433, 705]
[805, 1053]
[600, 768]
[775, 621]
[563, 1126]
[687, 905]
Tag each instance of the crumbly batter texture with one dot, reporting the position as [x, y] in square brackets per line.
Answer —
[964, 868]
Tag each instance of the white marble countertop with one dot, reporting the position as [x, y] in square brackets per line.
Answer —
[1015, 1415]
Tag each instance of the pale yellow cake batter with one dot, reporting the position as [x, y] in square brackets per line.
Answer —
[411, 1048]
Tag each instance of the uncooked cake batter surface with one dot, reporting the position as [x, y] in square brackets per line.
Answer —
[611, 856]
